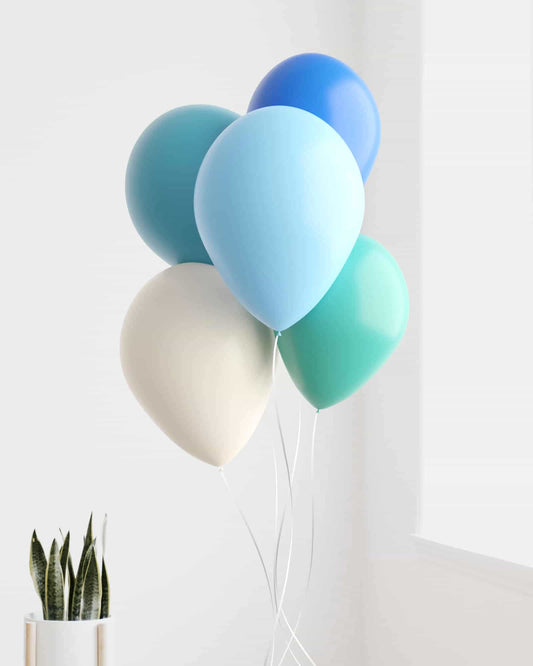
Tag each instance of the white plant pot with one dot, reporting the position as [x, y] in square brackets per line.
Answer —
[81, 643]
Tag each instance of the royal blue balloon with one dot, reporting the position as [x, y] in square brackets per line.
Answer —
[279, 203]
[160, 179]
[332, 91]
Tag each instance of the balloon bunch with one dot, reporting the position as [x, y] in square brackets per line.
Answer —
[259, 216]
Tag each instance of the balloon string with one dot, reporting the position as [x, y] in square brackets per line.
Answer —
[263, 564]
[291, 542]
[276, 488]
[293, 471]
[290, 478]
[255, 543]
[292, 631]
[275, 461]
[291, 514]
[251, 533]
[312, 546]
[245, 520]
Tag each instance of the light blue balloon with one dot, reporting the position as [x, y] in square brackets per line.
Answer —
[160, 179]
[279, 202]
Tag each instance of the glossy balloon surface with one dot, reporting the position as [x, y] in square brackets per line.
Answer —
[341, 343]
[331, 90]
[160, 179]
[279, 203]
[197, 362]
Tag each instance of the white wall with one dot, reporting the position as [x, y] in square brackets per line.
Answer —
[477, 358]
[428, 608]
[80, 82]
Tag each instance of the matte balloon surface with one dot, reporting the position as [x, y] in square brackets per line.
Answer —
[341, 343]
[197, 362]
[331, 90]
[160, 179]
[279, 203]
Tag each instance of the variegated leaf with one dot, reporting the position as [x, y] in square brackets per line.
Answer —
[64, 555]
[92, 590]
[104, 610]
[71, 585]
[89, 534]
[54, 586]
[75, 610]
[38, 569]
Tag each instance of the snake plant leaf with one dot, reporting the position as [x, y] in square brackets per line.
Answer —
[89, 534]
[71, 584]
[54, 586]
[64, 555]
[86, 546]
[88, 591]
[38, 569]
[77, 588]
[92, 590]
[104, 609]
[87, 542]
[75, 609]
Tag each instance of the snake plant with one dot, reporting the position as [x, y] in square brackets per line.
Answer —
[65, 593]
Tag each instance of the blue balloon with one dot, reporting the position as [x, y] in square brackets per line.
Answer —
[279, 203]
[332, 91]
[160, 179]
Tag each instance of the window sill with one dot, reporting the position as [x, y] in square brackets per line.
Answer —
[515, 576]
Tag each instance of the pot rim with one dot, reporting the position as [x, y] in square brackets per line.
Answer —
[33, 617]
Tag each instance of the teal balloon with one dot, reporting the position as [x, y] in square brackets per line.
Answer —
[160, 179]
[341, 343]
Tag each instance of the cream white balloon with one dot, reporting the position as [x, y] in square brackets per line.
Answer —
[197, 361]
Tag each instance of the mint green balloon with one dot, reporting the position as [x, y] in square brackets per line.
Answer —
[341, 343]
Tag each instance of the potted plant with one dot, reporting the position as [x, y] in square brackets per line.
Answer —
[74, 627]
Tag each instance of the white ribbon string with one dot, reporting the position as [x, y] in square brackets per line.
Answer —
[265, 572]
[312, 549]
[278, 533]
[276, 489]
[290, 478]
[291, 541]
[252, 535]
[277, 604]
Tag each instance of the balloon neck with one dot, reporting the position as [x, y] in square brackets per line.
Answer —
[278, 334]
